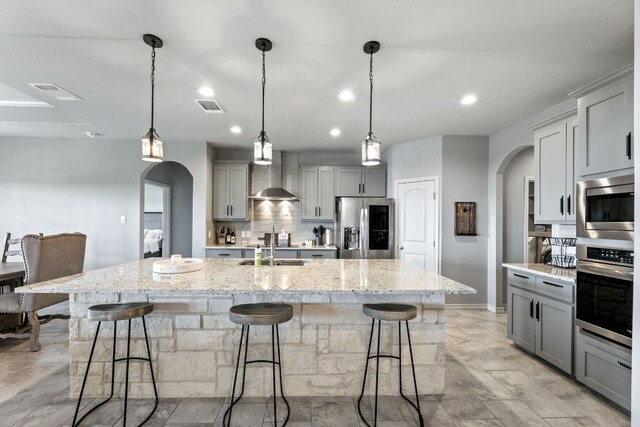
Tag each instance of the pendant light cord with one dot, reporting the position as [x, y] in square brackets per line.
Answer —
[370, 90]
[264, 81]
[153, 81]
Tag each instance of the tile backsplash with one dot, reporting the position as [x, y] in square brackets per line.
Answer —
[284, 215]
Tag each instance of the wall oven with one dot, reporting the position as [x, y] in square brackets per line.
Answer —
[605, 208]
[604, 292]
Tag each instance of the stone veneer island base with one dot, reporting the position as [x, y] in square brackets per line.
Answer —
[194, 344]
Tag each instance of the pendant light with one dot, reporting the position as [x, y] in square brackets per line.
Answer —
[152, 143]
[371, 147]
[262, 147]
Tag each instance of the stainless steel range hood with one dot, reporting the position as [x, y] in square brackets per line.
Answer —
[274, 191]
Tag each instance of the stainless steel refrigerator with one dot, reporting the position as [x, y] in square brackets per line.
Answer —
[365, 228]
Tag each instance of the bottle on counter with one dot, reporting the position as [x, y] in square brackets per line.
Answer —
[228, 237]
[257, 260]
[233, 237]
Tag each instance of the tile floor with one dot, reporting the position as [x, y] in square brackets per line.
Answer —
[489, 382]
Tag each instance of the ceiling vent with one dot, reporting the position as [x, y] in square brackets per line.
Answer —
[55, 91]
[209, 105]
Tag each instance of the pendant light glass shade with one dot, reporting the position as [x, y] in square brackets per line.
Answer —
[371, 146]
[371, 151]
[152, 144]
[262, 151]
[152, 150]
[262, 147]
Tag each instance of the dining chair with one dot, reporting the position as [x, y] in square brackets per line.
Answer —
[45, 258]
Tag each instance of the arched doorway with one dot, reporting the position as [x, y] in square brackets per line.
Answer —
[177, 181]
[496, 274]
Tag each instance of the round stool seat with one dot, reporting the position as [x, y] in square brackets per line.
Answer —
[119, 311]
[393, 312]
[260, 314]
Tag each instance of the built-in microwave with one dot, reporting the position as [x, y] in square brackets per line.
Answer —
[605, 208]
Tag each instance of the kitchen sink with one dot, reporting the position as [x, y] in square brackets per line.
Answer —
[289, 262]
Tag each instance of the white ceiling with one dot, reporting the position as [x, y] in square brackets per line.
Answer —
[519, 57]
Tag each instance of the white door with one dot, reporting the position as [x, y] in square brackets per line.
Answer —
[417, 224]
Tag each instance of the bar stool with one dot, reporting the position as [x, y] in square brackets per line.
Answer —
[259, 314]
[395, 313]
[115, 312]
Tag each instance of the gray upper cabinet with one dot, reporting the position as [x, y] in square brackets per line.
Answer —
[554, 147]
[317, 192]
[605, 113]
[230, 191]
[361, 182]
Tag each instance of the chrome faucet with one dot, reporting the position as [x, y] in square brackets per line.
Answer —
[273, 245]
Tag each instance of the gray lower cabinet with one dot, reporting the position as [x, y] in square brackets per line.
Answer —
[540, 317]
[604, 367]
[554, 329]
[224, 253]
[327, 254]
[520, 324]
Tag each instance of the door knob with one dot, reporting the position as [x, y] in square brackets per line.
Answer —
[400, 247]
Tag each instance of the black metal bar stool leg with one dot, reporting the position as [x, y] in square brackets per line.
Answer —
[366, 368]
[281, 386]
[226, 421]
[415, 383]
[153, 379]
[86, 374]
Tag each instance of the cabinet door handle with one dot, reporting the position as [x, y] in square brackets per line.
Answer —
[568, 205]
[360, 188]
[561, 205]
[224, 254]
[317, 255]
[520, 276]
[363, 188]
[231, 210]
[538, 311]
[624, 365]
[552, 284]
[531, 309]
[227, 210]
[318, 211]
[629, 145]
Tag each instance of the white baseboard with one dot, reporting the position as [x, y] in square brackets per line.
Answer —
[465, 307]
[497, 310]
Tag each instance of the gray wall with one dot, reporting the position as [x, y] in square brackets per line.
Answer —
[181, 182]
[58, 185]
[153, 198]
[503, 146]
[464, 172]
[415, 159]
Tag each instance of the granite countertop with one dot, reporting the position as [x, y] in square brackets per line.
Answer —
[550, 271]
[227, 277]
[295, 247]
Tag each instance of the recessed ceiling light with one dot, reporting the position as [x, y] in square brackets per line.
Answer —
[206, 91]
[235, 129]
[10, 103]
[335, 132]
[346, 95]
[468, 100]
[93, 134]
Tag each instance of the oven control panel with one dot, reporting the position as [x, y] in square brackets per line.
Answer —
[620, 256]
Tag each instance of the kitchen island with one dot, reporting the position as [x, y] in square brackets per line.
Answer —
[193, 341]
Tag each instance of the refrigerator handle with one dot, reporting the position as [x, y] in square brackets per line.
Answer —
[362, 243]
